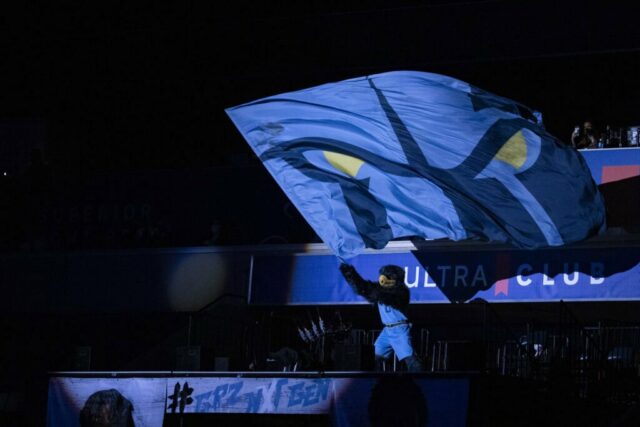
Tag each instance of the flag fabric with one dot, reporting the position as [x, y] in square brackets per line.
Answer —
[407, 153]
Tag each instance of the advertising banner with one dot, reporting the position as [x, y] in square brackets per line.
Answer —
[362, 401]
[579, 274]
[387, 400]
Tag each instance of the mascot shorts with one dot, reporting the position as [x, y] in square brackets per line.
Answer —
[394, 338]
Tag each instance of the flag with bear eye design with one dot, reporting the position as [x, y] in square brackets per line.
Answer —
[406, 153]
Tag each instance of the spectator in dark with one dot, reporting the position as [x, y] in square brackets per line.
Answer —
[584, 136]
[107, 408]
[215, 233]
[398, 402]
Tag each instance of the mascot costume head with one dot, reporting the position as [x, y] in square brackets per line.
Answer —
[390, 276]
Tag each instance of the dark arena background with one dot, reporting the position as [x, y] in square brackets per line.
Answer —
[150, 261]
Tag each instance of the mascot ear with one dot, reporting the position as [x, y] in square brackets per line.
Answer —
[385, 281]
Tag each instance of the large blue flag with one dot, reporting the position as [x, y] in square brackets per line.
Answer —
[405, 153]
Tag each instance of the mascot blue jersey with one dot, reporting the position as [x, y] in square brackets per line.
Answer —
[390, 315]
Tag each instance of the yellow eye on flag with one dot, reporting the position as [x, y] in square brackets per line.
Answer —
[514, 151]
[342, 162]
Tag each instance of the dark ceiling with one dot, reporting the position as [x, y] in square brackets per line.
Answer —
[139, 85]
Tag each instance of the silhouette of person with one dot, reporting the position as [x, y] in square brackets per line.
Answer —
[397, 401]
[585, 136]
[107, 408]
